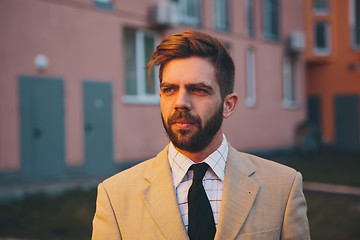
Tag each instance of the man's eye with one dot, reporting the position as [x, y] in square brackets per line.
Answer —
[167, 90]
[199, 90]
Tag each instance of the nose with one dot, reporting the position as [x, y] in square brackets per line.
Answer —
[183, 100]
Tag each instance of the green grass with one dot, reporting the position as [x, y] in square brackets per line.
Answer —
[325, 167]
[65, 216]
[333, 218]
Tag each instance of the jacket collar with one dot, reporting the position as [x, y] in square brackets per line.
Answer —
[239, 195]
[160, 199]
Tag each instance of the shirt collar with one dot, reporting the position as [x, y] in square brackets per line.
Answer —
[180, 164]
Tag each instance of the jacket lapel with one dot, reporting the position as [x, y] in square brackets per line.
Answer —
[239, 195]
[160, 199]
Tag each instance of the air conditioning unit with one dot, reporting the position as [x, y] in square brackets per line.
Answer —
[296, 42]
[164, 14]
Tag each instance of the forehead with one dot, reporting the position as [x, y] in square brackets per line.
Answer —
[189, 71]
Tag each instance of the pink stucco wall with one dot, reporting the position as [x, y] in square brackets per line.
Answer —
[83, 42]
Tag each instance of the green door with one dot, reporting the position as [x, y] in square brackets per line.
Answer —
[347, 122]
[42, 128]
[314, 116]
[98, 128]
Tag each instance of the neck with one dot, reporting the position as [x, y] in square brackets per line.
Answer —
[200, 156]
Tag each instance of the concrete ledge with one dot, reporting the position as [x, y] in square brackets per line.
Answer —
[51, 188]
[332, 188]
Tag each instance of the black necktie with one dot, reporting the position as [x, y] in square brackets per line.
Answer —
[201, 218]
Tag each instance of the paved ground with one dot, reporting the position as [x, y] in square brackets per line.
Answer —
[16, 192]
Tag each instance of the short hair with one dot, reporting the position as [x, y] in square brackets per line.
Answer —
[196, 44]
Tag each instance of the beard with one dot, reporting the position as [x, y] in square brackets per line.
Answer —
[199, 140]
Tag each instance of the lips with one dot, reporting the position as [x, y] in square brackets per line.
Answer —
[182, 124]
[183, 120]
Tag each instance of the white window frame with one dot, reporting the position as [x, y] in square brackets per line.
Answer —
[290, 99]
[353, 27]
[141, 96]
[250, 72]
[321, 11]
[249, 16]
[221, 15]
[185, 17]
[326, 50]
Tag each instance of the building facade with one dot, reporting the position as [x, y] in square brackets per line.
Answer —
[74, 98]
[333, 70]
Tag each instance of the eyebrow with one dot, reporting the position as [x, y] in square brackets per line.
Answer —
[188, 86]
[165, 85]
[200, 85]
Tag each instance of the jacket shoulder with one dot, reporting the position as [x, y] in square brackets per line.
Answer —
[134, 177]
[262, 163]
[262, 168]
[129, 174]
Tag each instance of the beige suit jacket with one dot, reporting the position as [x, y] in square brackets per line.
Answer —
[261, 200]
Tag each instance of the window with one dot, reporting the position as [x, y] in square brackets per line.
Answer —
[271, 19]
[189, 11]
[355, 23]
[138, 48]
[289, 97]
[321, 6]
[250, 78]
[105, 4]
[249, 13]
[221, 15]
[321, 38]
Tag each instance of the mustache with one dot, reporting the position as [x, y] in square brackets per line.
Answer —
[183, 115]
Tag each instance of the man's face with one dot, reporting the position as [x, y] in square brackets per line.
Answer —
[191, 105]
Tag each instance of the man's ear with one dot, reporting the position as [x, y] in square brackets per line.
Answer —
[230, 102]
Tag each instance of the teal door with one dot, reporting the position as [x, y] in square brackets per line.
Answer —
[314, 110]
[98, 128]
[42, 128]
[314, 116]
[347, 122]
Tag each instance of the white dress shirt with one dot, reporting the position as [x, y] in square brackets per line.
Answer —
[213, 180]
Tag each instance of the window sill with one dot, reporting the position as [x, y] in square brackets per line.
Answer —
[321, 12]
[321, 52]
[141, 100]
[356, 48]
[250, 102]
[290, 104]
[271, 38]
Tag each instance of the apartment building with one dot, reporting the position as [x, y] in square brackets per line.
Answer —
[333, 70]
[74, 98]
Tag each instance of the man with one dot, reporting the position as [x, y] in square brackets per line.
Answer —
[168, 197]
